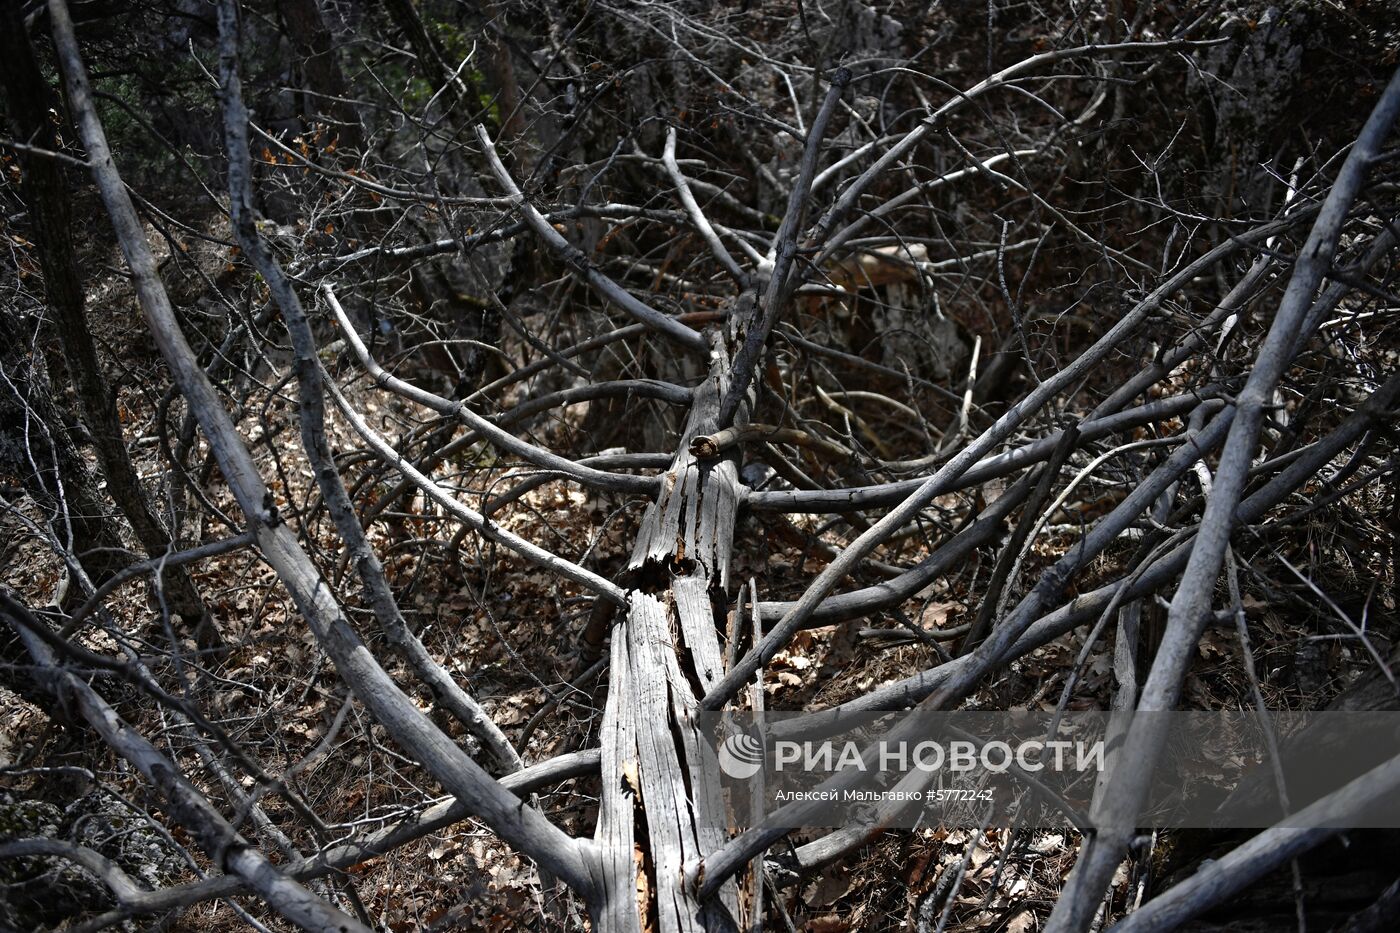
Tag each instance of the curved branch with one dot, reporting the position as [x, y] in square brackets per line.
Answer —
[471, 518]
[604, 286]
[123, 888]
[697, 216]
[598, 479]
[639, 388]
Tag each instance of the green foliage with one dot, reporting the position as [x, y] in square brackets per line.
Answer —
[132, 105]
[456, 45]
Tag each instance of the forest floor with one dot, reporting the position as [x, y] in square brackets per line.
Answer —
[494, 622]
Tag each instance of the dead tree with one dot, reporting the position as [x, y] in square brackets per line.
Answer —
[784, 341]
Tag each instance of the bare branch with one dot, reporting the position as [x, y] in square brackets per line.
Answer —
[606, 287]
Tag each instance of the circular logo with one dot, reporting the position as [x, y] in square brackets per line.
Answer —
[741, 755]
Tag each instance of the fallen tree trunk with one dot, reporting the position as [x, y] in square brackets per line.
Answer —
[666, 654]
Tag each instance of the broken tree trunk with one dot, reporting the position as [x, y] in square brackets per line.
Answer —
[657, 798]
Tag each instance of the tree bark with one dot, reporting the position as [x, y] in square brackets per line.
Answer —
[657, 794]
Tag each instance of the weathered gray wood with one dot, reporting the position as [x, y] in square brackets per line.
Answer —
[616, 869]
[670, 822]
[653, 748]
[695, 615]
